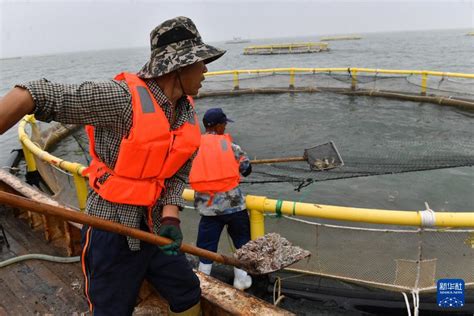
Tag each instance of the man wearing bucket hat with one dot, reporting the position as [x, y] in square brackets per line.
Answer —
[215, 177]
[143, 133]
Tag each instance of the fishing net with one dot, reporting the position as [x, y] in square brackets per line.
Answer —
[413, 144]
[53, 179]
[393, 258]
[394, 158]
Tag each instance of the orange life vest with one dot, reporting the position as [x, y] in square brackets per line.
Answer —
[149, 155]
[214, 168]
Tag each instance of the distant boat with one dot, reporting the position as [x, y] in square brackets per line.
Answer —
[238, 40]
[340, 38]
[8, 58]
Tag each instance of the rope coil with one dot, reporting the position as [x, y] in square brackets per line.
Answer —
[428, 217]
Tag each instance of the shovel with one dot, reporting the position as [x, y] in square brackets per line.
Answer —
[321, 157]
[77, 217]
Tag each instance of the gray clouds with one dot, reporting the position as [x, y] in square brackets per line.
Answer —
[40, 27]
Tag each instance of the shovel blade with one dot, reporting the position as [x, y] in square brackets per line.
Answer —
[269, 253]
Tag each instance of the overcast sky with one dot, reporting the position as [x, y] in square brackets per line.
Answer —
[46, 27]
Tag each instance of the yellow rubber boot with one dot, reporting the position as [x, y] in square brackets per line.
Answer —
[193, 311]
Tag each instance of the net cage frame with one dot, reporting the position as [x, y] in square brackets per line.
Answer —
[290, 48]
[421, 93]
[75, 170]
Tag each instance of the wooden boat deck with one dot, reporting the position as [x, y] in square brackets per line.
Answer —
[36, 286]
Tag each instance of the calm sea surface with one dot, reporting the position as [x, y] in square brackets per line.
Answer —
[283, 125]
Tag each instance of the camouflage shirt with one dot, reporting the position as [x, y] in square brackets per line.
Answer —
[107, 106]
[227, 202]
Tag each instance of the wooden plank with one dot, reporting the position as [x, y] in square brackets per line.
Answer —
[43, 287]
[27, 297]
[10, 304]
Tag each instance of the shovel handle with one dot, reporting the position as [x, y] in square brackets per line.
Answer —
[96, 222]
[277, 160]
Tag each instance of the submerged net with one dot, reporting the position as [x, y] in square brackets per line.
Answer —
[343, 82]
[54, 180]
[393, 158]
[391, 258]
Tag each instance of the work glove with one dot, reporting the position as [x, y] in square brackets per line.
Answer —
[170, 229]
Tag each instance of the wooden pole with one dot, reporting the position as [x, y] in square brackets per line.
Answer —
[96, 222]
[277, 160]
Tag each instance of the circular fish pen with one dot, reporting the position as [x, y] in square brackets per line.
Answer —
[415, 138]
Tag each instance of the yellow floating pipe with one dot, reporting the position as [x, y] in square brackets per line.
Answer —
[424, 82]
[72, 167]
[188, 195]
[352, 214]
[292, 79]
[81, 191]
[236, 80]
[344, 70]
[29, 157]
[257, 224]
[257, 218]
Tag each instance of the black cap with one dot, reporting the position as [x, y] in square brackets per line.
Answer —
[215, 116]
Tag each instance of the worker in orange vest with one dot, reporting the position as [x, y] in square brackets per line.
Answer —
[215, 177]
[143, 133]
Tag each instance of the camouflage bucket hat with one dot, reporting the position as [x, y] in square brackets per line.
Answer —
[176, 43]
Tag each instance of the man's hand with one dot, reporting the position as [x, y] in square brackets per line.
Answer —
[170, 229]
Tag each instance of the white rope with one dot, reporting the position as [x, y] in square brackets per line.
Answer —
[407, 303]
[428, 217]
[416, 302]
[277, 284]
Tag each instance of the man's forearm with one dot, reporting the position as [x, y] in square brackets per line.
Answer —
[13, 106]
[170, 211]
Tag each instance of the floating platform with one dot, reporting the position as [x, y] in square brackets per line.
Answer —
[340, 38]
[293, 48]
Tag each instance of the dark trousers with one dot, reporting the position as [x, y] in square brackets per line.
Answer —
[113, 274]
[210, 229]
